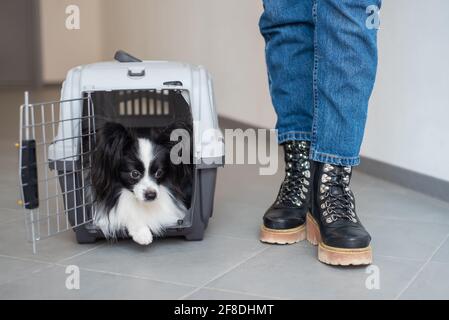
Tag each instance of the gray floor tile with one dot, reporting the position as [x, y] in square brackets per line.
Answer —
[213, 294]
[9, 194]
[383, 199]
[432, 283]
[9, 215]
[361, 181]
[442, 255]
[293, 272]
[9, 170]
[405, 239]
[237, 220]
[51, 284]
[406, 226]
[171, 260]
[234, 181]
[12, 269]
[13, 242]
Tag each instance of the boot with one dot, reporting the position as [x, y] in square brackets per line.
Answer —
[333, 224]
[284, 221]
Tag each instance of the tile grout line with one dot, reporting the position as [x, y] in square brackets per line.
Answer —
[49, 262]
[400, 258]
[230, 236]
[61, 263]
[13, 210]
[81, 253]
[125, 275]
[240, 292]
[441, 262]
[413, 279]
[255, 238]
[372, 216]
[10, 220]
[44, 267]
[26, 259]
[45, 264]
[223, 273]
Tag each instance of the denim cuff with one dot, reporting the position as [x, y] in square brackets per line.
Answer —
[294, 136]
[334, 159]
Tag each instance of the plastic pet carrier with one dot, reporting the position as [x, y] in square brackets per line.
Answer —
[57, 140]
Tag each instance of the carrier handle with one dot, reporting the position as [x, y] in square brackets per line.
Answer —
[29, 174]
[122, 56]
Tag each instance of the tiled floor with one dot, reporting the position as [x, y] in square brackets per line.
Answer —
[410, 240]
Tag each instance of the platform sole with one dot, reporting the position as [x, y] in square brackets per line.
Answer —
[283, 236]
[336, 256]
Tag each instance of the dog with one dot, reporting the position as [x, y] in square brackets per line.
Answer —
[138, 190]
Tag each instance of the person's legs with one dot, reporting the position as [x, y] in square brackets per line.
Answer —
[321, 60]
[344, 71]
[287, 26]
[321, 98]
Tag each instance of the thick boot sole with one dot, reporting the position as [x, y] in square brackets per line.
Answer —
[333, 255]
[283, 236]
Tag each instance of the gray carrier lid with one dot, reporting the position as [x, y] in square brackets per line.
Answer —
[194, 81]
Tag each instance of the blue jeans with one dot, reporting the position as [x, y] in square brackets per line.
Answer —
[322, 59]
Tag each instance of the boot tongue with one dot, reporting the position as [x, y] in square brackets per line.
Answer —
[337, 192]
[337, 188]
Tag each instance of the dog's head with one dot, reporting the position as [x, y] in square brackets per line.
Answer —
[124, 161]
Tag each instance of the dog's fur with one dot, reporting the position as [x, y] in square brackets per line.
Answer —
[137, 188]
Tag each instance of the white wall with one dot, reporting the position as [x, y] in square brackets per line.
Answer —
[63, 49]
[222, 35]
[408, 122]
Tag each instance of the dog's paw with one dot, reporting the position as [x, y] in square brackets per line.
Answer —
[142, 236]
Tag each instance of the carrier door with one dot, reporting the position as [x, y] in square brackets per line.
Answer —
[55, 155]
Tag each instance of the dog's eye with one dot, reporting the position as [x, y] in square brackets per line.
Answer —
[158, 173]
[135, 174]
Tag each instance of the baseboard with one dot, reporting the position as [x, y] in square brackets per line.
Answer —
[413, 180]
[410, 179]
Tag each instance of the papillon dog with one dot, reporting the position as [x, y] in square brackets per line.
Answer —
[138, 189]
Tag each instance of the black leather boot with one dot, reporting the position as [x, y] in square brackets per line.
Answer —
[333, 224]
[284, 221]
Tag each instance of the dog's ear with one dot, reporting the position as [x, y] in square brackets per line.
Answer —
[112, 141]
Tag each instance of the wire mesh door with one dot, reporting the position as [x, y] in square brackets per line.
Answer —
[55, 157]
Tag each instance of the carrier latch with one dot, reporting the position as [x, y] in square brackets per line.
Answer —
[122, 56]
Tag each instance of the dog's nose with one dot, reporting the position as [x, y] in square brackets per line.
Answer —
[150, 195]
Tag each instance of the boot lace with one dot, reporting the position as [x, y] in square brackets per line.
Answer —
[296, 184]
[337, 199]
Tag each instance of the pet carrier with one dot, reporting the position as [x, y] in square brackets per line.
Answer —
[57, 140]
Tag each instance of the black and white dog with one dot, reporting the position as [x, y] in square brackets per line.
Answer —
[138, 189]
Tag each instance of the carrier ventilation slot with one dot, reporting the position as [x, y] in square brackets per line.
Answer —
[144, 103]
